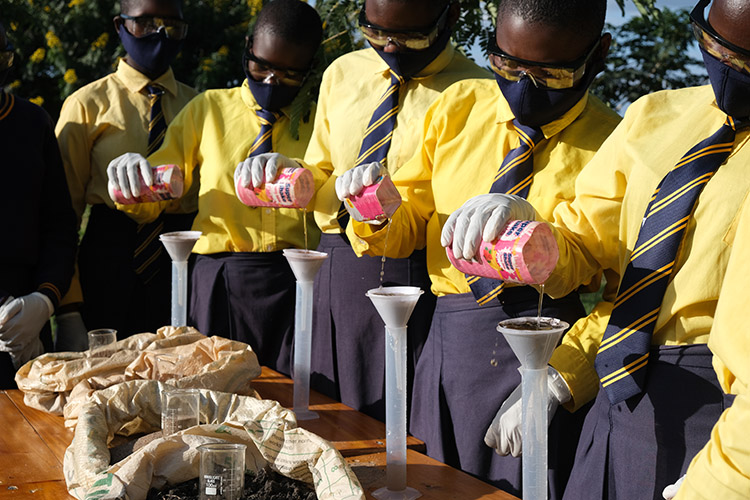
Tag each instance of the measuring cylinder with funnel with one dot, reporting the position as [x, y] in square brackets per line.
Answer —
[395, 305]
[533, 339]
[179, 244]
[305, 265]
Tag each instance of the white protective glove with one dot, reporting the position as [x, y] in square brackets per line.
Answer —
[357, 178]
[257, 170]
[482, 217]
[8, 309]
[506, 430]
[19, 334]
[124, 173]
[72, 334]
[671, 491]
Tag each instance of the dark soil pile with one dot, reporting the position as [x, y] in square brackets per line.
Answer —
[266, 484]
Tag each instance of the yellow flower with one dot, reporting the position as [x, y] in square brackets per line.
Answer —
[13, 26]
[70, 76]
[100, 42]
[73, 3]
[255, 6]
[38, 55]
[47, 8]
[52, 40]
[38, 100]
[15, 84]
[223, 50]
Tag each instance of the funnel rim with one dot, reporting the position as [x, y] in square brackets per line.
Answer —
[556, 324]
[180, 235]
[301, 254]
[394, 292]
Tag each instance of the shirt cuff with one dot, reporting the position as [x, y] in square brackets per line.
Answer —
[578, 373]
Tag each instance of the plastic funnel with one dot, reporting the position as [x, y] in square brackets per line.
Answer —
[533, 348]
[395, 303]
[304, 263]
[179, 244]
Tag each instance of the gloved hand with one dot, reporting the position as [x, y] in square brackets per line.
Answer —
[8, 309]
[357, 178]
[506, 430]
[257, 170]
[124, 173]
[72, 334]
[19, 334]
[671, 491]
[482, 217]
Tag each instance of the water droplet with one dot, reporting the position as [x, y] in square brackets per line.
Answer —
[493, 362]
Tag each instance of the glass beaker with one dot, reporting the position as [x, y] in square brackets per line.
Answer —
[222, 475]
[100, 339]
[180, 409]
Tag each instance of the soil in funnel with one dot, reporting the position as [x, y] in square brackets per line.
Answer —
[266, 484]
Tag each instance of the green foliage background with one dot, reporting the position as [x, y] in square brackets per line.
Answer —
[64, 44]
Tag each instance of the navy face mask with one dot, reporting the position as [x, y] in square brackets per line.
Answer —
[536, 106]
[269, 97]
[409, 63]
[731, 87]
[154, 52]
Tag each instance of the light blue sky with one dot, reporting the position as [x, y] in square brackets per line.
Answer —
[614, 14]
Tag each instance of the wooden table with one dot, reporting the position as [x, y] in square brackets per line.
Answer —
[351, 432]
[33, 445]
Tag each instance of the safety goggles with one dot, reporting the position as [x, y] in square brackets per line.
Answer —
[554, 76]
[6, 56]
[726, 52]
[174, 28]
[411, 40]
[261, 69]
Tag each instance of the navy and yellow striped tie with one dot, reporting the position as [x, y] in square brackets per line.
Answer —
[514, 177]
[377, 139]
[263, 143]
[148, 248]
[624, 352]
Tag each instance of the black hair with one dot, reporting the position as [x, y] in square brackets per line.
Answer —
[585, 15]
[127, 5]
[293, 20]
[438, 5]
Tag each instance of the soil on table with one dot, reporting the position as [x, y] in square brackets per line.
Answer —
[265, 484]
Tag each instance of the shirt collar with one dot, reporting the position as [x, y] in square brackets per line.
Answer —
[135, 81]
[436, 66]
[504, 114]
[249, 100]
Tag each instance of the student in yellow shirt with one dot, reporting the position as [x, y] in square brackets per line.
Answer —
[546, 55]
[659, 205]
[97, 123]
[241, 285]
[722, 468]
[409, 39]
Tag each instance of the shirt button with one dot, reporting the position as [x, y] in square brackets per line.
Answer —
[269, 247]
[268, 211]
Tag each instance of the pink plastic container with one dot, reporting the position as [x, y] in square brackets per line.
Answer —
[376, 203]
[293, 188]
[168, 185]
[526, 252]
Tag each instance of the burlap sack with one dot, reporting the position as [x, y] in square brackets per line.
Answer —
[59, 383]
[269, 431]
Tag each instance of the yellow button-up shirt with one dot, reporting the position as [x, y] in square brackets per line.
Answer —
[467, 133]
[599, 228]
[350, 91]
[722, 468]
[103, 120]
[209, 138]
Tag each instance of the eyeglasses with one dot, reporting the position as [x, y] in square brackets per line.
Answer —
[412, 40]
[174, 28]
[726, 52]
[554, 76]
[6, 56]
[261, 69]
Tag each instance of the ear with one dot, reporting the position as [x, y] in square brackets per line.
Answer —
[117, 20]
[605, 42]
[454, 12]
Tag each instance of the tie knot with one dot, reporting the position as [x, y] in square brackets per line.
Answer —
[268, 116]
[154, 90]
[738, 123]
[529, 135]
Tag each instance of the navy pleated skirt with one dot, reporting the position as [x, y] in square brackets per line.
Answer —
[637, 447]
